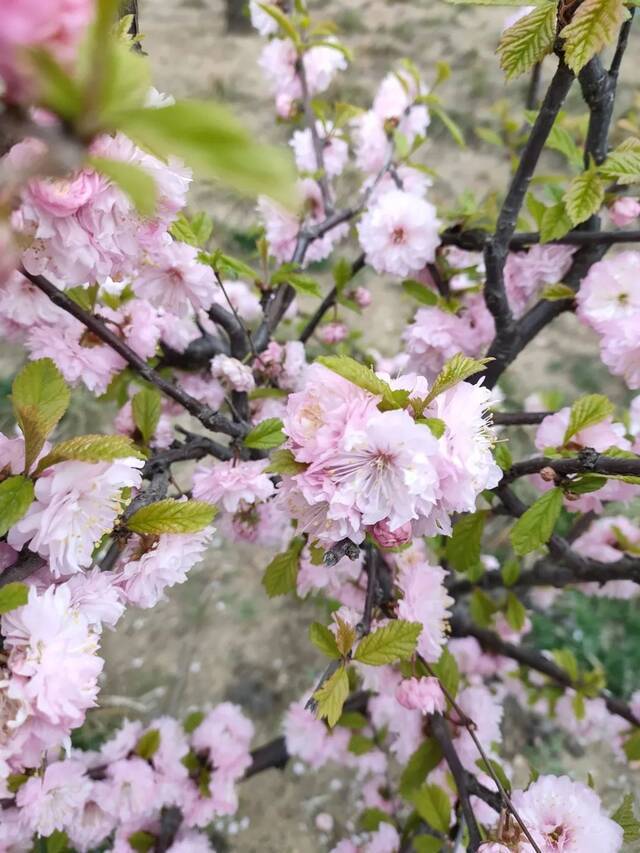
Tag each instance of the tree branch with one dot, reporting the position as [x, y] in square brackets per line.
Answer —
[587, 461]
[328, 302]
[518, 418]
[207, 417]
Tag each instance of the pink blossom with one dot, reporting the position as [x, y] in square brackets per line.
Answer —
[132, 789]
[191, 841]
[53, 800]
[122, 742]
[335, 151]
[384, 840]
[371, 142]
[308, 738]
[232, 373]
[24, 304]
[146, 569]
[620, 351]
[203, 387]
[362, 297]
[610, 293]
[263, 524]
[233, 482]
[75, 504]
[481, 706]
[603, 541]
[425, 600]
[566, 815]
[243, 299]
[526, 272]
[286, 364]
[96, 597]
[624, 210]
[332, 333]
[599, 436]
[387, 538]
[421, 694]
[175, 280]
[93, 824]
[331, 579]
[281, 228]
[46, 636]
[163, 434]
[62, 197]
[261, 20]
[399, 234]
[140, 324]
[225, 733]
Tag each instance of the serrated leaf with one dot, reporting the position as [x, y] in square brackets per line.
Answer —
[227, 266]
[515, 612]
[13, 595]
[132, 180]
[433, 806]
[16, 496]
[510, 572]
[464, 547]
[625, 817]
[332, 696]
[214, 144]
[146, 407]
[40, 397]
[536, 525]
[302, 284]
[623, 164]
[594, 26]
[457, 369]
[172, 516]
[528, 41]
[280, 575]
[420, 292]
[266, 435]
[360, 375]
[425, 759]
[345, 636]
[560, 140]
[566, 660]
[447, 672]
[502, 455]
[587, 411]
[284, 462]
[90, 448]
[585, 195]
[148, 744]
[555, 223]
[555, 292]
[395, 641]
[195, 232]
[323, 639]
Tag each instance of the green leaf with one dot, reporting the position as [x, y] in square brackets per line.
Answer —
[214, 144]
[332, 696]
[342, 273]
[457, 369]
[56, 89]
[453, 127]
[528, 41]
[632, 746]
[284, 462]
[425, 759]
[587, 411]
[353, 720]
[195, 232]
[146, 407]
[623, 164]
[515, 613]
[148, 744]
[535, 526]
[433, 806]
[90, 448]
[594, 26]
[360, 375]
[304, 284]
[132, 180]
[15, 781]
[436, 425]
[371, 818]
[566, 660]
[625, 817]
[427, 843]
[192, 721]
[419, 292]
[510, 572]
[395, 641]
[266, 435]
[16, 496]
[585, 194]
[447, 672]
[227, 265]
[13, 595]
[579, 709]
[555, 223]
[172, 516]
[281, 573]
[497, 770]
[283, 22]
[482, 607]
[40, 398]
[323, 639]
[360, 745]
[142, 841]
[464, 546]
[57, 842]
[555, 292]
[561, 140]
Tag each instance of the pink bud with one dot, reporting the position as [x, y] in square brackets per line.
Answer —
[362, 297]
[421, 694]
[332, 333]
[388, 538]
[624, 210]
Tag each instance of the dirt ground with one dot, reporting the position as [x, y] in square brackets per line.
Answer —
[217, 637]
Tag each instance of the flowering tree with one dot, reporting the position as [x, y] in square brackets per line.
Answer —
[383, 483]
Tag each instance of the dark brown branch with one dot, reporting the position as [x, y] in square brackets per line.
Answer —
[491, 642]
[207, 417]
[497, 248]
[26, 565]
[197, 447]
[519, 418]
[441, 734]
[327, 303]
[343, 548]
[588, 461]
[476, 240]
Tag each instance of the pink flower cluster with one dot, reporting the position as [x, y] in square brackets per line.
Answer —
[364, 466]
[609, 302]
[92, 794]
